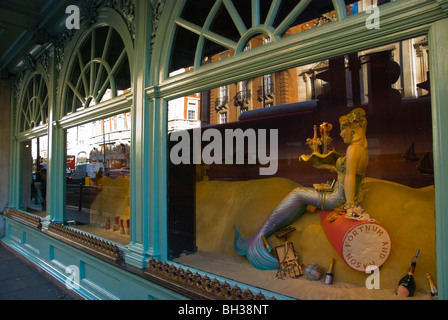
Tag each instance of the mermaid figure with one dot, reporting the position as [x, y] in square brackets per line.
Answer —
[350, 170]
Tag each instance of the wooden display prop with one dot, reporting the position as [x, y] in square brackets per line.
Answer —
[287, 256]
[359, 243]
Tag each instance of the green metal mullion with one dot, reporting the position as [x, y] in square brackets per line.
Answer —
[74, 99]
[25, 115]
[41, 86]
[92, 66]
[286, 23]
[212, 14]
[199, 50]
[35, 110]
[33, 101]
[229, 44]
[27, 95]
[205, 33]
[255, 13]
[75, 91]
[273, 10]
[83, 74]
[42, 112]
[341, 10]
[189, 26]
[34, 85]
[110, 78]
[104, 57]
[236, 18]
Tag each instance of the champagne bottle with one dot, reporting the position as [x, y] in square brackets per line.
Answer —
[266, 244]
[406, 285]
[432, 287]
[330, 273]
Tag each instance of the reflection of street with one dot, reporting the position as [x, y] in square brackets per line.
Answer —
[80, 197]
[92, 207]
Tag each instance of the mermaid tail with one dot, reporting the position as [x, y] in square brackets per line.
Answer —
[287, 211]
[255, 251]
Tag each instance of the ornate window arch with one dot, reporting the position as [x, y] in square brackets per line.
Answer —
[99, 65]
[33, 106]
[243, 20]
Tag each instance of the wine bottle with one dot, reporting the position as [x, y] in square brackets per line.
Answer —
[432, 287]
[266, 244]
[330, 273]
[406, 285]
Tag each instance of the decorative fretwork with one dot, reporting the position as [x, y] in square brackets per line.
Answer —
[201, 285]
[27, 219]
[126, 8]
[86, 242]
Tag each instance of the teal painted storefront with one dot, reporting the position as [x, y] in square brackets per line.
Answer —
[147, 37]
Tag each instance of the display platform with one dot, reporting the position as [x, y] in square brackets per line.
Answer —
[406, 213]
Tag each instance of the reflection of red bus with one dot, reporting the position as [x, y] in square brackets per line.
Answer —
[71, 163]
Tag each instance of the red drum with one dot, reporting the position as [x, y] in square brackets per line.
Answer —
[359, 243]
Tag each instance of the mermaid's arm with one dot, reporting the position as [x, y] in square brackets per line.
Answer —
[351, 165]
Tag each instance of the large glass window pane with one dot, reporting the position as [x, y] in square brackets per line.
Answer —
[97, 185]
[234, 169]
[34, 177]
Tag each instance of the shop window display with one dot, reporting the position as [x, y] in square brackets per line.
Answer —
[98, 151]
[97, 184]
[240, 173]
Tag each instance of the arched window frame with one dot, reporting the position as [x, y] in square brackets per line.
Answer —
[107, 17]
[30, 94]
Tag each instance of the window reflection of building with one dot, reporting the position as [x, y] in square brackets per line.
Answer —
[109, 141]
[106, 141]
[183, 112]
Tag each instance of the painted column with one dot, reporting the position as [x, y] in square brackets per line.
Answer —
[56, 152]
[438, 71]
[5, 133]
[15, 154]
[141, 178]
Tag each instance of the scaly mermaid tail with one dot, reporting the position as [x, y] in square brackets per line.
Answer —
[255, 251]
[287, 211]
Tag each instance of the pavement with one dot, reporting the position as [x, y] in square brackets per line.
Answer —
[22, 280]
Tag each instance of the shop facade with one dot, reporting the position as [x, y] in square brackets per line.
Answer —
[139, 233]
